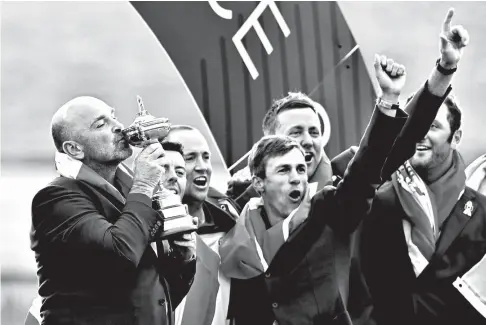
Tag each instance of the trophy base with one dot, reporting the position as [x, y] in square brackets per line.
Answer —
[177, 226]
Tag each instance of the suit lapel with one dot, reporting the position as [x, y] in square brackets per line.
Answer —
[222, 220]
[463, 211]
[395, 235]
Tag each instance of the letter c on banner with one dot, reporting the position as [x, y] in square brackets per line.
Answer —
[220, 11]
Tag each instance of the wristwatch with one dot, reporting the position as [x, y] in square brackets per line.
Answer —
[386, 104]
[443, 70]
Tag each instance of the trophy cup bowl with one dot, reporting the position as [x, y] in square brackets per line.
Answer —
[177, 220]
[141, 132]
[146, 128]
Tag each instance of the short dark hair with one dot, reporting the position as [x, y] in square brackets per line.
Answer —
[292, 101]
[59, 135]
[268, 147]
[173, 146]
[62, 133]
[454, 116]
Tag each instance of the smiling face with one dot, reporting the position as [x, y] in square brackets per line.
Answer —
[174, 177]
[284, 184]
[434, 149]
[198, 163]
[303, 125]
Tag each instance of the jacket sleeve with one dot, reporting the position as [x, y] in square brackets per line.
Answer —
[69, 220]
[352, 198]
[341, 161]
[180, 277]
[422, 110]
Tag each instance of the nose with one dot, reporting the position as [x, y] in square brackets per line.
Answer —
[170, 175]
[117, 126]
[294, 177]
[425, 137]
[306, 140]
[201, 164]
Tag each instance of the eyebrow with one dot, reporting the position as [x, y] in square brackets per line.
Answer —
[289, 166]
[437, 122]
[295, 128]
[196, 152]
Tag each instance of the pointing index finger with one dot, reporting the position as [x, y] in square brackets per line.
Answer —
[446, 27]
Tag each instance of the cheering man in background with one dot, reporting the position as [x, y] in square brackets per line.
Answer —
[207, 300]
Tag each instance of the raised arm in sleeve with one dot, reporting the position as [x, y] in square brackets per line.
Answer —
[346, 205]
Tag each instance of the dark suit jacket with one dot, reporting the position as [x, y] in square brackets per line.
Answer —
[95, 265]
[312, 268]
[387, 282]
[216, 199]
[301, 285]
[399, 297]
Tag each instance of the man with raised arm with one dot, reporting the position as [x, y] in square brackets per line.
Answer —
[427, 229]
[288, 268]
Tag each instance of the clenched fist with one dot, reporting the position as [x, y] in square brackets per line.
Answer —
[390, 76]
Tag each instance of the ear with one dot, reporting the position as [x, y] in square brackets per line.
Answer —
[73, 149]
[258, 185]
[456, 139]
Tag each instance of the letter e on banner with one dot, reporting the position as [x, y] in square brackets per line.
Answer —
[252, 21]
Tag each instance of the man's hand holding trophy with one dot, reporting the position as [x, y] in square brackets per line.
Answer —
[178, 225]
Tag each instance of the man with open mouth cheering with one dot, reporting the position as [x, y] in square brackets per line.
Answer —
[207, 301]
[288, 265]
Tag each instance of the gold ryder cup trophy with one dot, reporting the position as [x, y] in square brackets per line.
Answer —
[139, 134]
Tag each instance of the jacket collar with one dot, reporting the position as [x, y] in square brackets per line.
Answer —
[72, 168]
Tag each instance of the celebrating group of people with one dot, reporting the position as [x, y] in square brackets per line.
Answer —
[384, 233]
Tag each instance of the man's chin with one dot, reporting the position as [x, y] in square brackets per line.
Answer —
[126, 153]
[121, 156]
[196, 195]
[288, 209]
[419, 162]
[311, 169]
